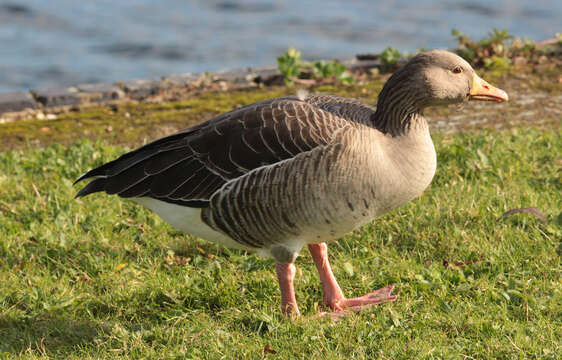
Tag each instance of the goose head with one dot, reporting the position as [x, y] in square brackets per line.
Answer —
[431, 78]
[450, 79]
[441, 77]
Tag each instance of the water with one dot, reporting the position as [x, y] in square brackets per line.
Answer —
[51, 43]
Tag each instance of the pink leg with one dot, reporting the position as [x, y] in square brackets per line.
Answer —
[333, 296]
[285, 276]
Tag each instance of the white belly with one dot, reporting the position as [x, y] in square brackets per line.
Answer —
[188, 220]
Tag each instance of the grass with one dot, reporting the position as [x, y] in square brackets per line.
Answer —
[102, 278]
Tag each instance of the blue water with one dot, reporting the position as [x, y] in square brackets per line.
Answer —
[50, 43]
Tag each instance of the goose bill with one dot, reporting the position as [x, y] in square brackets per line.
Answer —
[483, 91]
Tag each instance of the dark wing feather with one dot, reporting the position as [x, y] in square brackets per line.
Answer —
[188, 167]
[131, 158]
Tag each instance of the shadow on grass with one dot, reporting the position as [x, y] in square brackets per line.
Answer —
[46, 335]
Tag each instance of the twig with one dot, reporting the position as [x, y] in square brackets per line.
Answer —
[530, 210]
[38, 194]
[512, 343]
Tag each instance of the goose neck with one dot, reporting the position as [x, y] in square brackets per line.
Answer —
[400, 104]
[399, 112]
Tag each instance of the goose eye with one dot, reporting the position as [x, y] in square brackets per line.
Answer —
[457, 70]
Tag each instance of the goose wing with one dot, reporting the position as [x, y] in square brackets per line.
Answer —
[347, 108]
[287, 200]
[188, 167]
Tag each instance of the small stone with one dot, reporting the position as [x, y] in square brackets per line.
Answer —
[520, 60]
[223, 85]
[375, 71]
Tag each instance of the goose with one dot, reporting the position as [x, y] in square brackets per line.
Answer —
[276, 175]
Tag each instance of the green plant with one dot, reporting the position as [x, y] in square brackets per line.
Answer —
[497, 63]
[390, 56]
[289, 65]
[292, 67]
[522, 45]
[498, 40]
[490, 52]
[333, 69]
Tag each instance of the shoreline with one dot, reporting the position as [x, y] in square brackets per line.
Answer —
[135, 111]
[25, 104]
[17, 105]
[22, 105]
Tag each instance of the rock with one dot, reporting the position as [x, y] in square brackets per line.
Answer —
[16, 101]
[234, 75]
[181, 80]
[139, 89]
[247, 76]
[266, 74]
[99, 92]
[56, 96]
